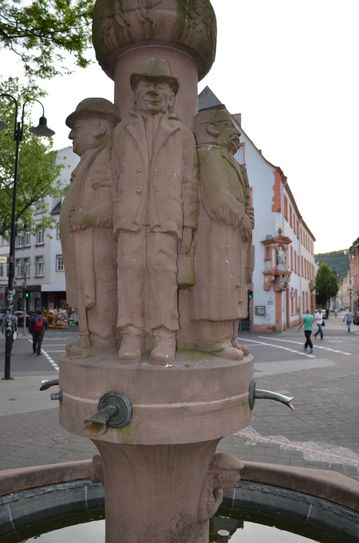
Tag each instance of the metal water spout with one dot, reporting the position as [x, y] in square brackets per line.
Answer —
[114, 411]
[260, 394]
[47, 383]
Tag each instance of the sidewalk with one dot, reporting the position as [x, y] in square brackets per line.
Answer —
[321, 433]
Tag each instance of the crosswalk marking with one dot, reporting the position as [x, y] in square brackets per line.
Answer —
[315, 345]
[300, 353]
[48, 357]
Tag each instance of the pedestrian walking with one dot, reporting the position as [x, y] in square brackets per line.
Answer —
[38, 327]
[348, 319]
[307, 323]
[318, 318]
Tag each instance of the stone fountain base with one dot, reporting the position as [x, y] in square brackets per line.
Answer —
[158, 467]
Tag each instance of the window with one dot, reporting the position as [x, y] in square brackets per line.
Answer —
[286, 207]
[22, 267]
[23, 240]
[26, 267]
[40, 237]
[59, 263]
[3, 270]
[18, 267]
[39, 266]
[58, 230]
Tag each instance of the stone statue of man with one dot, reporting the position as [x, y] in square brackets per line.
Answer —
[86, 228]
[223, 256]
[155, 181]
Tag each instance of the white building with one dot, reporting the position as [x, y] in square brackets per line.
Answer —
[38, 257]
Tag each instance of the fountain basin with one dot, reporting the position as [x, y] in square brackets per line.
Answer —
[305, 501]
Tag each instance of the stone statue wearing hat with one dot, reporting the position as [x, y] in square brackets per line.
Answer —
[223, 257]
[89, 248]
[155, 196]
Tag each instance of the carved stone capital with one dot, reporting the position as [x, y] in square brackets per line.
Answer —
[120, 26]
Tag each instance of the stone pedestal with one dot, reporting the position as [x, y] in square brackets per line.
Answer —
[152, 492]
[155, 469]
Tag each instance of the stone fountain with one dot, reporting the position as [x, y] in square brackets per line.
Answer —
[156, 231]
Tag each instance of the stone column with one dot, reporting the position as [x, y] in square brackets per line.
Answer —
[152, 493]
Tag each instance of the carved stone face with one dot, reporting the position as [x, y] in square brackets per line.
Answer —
[227, 479]
[153, 96]
[85, 134]
[228, 134]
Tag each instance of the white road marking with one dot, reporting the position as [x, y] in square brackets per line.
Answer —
[277, 347]
[52, 362]
[310, 450]
[54, 344]
[316, 346]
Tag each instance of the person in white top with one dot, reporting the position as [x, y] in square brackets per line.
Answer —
[318, 318]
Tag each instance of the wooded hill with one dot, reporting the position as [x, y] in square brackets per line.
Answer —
[337, 260]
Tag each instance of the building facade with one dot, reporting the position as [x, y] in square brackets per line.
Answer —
[353, 277]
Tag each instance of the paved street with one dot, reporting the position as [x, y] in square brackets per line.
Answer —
[322, 432]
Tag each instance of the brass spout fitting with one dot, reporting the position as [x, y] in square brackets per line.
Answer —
[114, 411]
[98, 423]
[256, 393]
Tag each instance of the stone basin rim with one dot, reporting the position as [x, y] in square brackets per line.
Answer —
[328, 485]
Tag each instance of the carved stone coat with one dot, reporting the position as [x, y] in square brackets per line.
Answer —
[222, 257]
[87, 204]
[158, 188]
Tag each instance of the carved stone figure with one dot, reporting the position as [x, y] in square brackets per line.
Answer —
[223, 473]
[86, 228]
[223, 256]
[155, 181]
[281, 258]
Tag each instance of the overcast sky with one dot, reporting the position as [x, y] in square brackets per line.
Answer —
[290, 68]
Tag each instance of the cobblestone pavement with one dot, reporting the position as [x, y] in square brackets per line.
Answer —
[322, 432]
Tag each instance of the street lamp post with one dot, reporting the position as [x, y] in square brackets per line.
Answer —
[40, 130]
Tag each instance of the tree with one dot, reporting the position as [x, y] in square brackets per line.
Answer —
[326, 283]
[42, 32]
[38, 171]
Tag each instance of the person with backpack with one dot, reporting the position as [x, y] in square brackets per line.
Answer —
[38, 327]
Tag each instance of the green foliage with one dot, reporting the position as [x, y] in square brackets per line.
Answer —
[38, 171]
[336, 260]
[326, 283]
[41, 32]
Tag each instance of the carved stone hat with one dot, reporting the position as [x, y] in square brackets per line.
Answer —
[94, 107]
[155, 68]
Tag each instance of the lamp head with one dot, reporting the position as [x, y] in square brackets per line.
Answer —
[42, 129]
